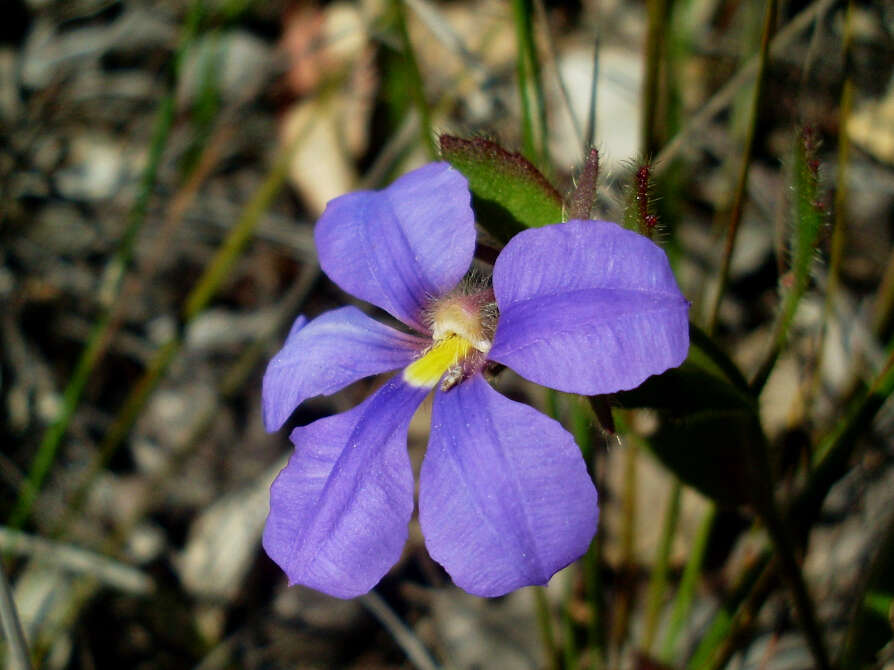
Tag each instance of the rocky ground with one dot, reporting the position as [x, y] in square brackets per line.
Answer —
[162, 166]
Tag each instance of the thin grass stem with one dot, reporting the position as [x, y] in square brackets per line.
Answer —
[839, 205]
[884, 304]
[661, 566]
[738, 206]
[582, 422]
[686, 591]
[656, 26]
[206, 287]
[832, 455]
[80, 561]
[530, 85]
[794, 579]
[406, 639]
[18, 656]
[545, 625]
[553, 60]
[727, 632]
[101, 333]
[440, 27]
[569, 643]
[417, 89]
[883, 313]
[593, 587]
[592, 121]
[624, 604]
[684, 139]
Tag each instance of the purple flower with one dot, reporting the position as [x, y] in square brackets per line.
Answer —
[504, 496]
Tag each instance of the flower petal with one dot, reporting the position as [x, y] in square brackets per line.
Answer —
[339, 510]
[325, 355]
[505, 500]
[399, 247]
[587, 307]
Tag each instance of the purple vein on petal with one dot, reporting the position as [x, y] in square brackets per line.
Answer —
[398, 247]
[504, 497]
[339, 510]
[327, 354]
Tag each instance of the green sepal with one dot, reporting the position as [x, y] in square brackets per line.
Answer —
[808, 221]
[509, 194]
[583, 199]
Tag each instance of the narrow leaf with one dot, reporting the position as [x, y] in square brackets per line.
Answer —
[710, 431]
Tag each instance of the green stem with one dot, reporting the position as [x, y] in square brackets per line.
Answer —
[545, 624]
[738, 206]
[658, 582]
[12, 628]
[569, 645]
[684, 139]
[582, 422]
[686, 592]
[840, 202]
[656, 10]
[417, 89]
[835, 451]
[833, 455]
[207, 286]
[883, 317]
[593, 588]
[869, 626]
[530, 86]
[794, 578]
[621, 621]
[102, 331]
[727, 634]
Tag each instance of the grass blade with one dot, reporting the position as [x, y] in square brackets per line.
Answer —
[206, 287]
[12, 628]
[741, 182]
[686, 591]
[660, 569]
[102, 331]
[722, 98]
[417, 90]
[530, 85]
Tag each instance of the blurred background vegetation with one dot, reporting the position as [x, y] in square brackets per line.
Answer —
[162, 166]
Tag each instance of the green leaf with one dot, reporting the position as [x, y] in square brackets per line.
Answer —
[707, 378]
[509, 194]
[710, 434]
[713, 449]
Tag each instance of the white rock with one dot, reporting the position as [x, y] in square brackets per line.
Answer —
[219, 329]
[96, 169]
[240, 62]
[618, 89]
[224, 540]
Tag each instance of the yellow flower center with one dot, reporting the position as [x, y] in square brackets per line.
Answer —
[462, 326]
[447, 353]
[463, 320]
